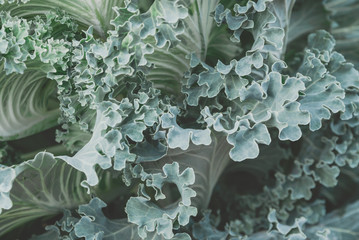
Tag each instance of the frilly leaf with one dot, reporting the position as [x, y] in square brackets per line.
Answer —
[246, 139]
[95, 225]
[180, 137]
[293, 232]
[7, 177]
[150, 217]
[279, 107]
[323, 93]
[204, 229]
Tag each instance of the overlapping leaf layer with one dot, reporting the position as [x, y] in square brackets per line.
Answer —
[179, 119]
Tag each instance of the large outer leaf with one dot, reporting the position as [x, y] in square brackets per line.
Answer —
[344, 27]
[44, 187]
[86, 13]
[28, 104]
[38, 188]
[307, 16]
[29, 55]
[340, 224]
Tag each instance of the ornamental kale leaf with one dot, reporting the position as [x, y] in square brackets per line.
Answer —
[179, 119]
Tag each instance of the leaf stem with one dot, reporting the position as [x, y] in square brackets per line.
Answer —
[56, 150]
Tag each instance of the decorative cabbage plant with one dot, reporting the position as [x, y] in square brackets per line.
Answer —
[179, 119]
